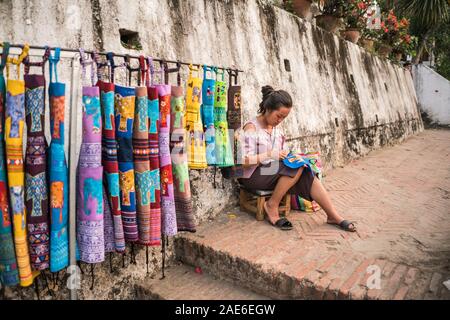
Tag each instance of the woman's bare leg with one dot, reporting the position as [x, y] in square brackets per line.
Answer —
[321, 196]
[284, 183]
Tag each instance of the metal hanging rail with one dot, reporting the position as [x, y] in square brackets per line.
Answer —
[73, 153]
[123, 56]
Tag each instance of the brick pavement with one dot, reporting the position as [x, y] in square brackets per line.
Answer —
[400, 199]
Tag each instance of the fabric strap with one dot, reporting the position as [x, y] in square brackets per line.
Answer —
[112, 65]
[220, 72]
[144, 70]
[84, 63]
[211, 70]
[17, 61]
[233, 74]
[168, 70]
[151, 67]
[5, 54]
[131, 70]
[53, 61]
[192, 68]
[41, 63]
[101, 65]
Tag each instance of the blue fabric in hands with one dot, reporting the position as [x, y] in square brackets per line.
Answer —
[295, 162]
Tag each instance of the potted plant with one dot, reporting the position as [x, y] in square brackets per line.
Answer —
[389, 34]
[301, 8]
[405, 46]
[368, 38]
[331, 14]
[355, 18]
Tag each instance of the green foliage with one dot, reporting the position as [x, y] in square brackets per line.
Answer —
[429, 13]
[429, 21]
[442, 50]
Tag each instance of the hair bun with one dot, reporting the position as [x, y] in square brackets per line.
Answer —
[266, 90]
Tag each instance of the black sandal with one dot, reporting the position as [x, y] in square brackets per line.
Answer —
[282, 223]
[345, 225]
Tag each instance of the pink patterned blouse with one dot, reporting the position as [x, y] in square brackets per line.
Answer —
[260, 141]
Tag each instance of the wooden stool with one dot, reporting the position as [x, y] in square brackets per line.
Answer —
[253, 201]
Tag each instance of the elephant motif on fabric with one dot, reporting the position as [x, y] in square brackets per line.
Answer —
[91, 106]
[57, 197]
[144, 181]
[16, 113]
[178, 111]
[57, 112]
[113, 183]
[35, 107]
[17, 203]
[108, 103]
[155, 183]
[125, 110]
[153, 114]
[127, 186]
[181, 174]
[93, 188]
[36, 192]
[142, 113]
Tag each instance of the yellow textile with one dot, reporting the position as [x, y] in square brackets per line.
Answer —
[14, 154]
[196, 147]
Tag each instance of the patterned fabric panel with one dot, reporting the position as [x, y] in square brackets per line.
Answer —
[90, 232]
[14, 125]
[124, 106]
[155, 190]
[182, 189]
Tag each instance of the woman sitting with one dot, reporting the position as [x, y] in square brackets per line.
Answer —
[264, 149]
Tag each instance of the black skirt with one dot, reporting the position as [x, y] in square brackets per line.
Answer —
[265, 177]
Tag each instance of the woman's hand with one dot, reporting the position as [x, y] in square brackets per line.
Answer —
[283, 154]
[276, 154]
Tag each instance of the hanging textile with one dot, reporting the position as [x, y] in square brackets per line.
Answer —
[181, 185]
[196, 149]
[9, 275]
[141, 151]
[153, 139]
[207, 113]
[169, 219]
[108, 225]
[109, 155]
[234, 102]
[14, 125]
[58, 173]
[90, 230]
[224, 154]
[124, 105]
[234, 113]
[36, 194]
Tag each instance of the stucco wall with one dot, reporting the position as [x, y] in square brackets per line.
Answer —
[433, 93]
[346, 101]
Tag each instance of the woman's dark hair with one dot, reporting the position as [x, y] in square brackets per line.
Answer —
[274, 99]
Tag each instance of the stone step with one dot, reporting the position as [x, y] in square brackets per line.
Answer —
[314, 261]
[181, 282]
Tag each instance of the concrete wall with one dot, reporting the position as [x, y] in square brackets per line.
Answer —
[433, 93]
[346, 101]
